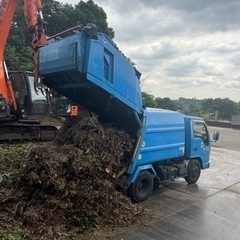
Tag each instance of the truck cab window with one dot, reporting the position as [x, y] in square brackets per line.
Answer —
[200, 131]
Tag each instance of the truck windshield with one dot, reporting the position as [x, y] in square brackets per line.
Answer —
[36, 94]
[200, 131]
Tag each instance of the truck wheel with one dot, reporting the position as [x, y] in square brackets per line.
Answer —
[142, 188]
[194, 170]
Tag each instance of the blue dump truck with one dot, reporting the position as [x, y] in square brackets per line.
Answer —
[88, 68]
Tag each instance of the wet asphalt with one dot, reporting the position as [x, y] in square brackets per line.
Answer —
[207, 210]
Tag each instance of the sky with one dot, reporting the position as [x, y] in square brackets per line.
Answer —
[183, 48]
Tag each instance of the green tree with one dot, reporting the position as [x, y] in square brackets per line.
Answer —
[19, 59]
[225, 107]
[166, 103]
[208, 105]
[63, 16]
[189, 106]
[18, 52]
[59, 18]
[148, 100]
[89, 12]
[194, 110]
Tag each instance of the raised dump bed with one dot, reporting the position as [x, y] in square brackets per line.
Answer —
[87, 68]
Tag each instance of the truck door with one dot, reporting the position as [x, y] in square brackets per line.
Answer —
[200, 146]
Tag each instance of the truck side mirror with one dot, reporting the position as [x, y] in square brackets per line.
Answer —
[215, 135]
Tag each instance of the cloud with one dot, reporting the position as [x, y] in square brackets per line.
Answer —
[235, 60]
[183, 48]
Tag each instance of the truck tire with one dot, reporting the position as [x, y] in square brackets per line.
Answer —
[194, 171]
[142, 188]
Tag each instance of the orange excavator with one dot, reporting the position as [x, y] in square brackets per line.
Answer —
[20, 100]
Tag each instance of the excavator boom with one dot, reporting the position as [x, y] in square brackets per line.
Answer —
[7, 10]
[32, 9]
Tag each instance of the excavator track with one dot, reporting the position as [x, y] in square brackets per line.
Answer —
[26, 130]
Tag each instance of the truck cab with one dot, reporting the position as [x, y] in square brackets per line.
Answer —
[170, 145]
[197, 140]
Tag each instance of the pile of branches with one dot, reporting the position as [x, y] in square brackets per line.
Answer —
[68, 183]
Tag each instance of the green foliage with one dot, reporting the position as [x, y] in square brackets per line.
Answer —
[89, 12]
[148, 100]
[12, 164]
[7, 236]
[18, 52]
[63, 16]
[58, 16]
[206, 108]
[13, 158]
[194, 110]
[225, 107]
[190, 106]
[166, 103]
[19, 60]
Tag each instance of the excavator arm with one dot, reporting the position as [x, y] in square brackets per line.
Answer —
[34, 18]
[13, 125]
[7, 10]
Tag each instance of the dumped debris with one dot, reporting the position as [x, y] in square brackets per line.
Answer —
[67, 185]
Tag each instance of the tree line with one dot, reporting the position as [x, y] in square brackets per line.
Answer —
[209, 108]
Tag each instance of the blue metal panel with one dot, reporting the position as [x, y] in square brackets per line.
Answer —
[196, 147]
[132, 178]
[61, 56]
[163, 138]
[91, 72]
[121, 76]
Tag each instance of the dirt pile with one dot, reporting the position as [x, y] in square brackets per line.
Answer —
[68, 185]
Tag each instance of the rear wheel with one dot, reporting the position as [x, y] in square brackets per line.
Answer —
[194, 171]
[142, 188]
